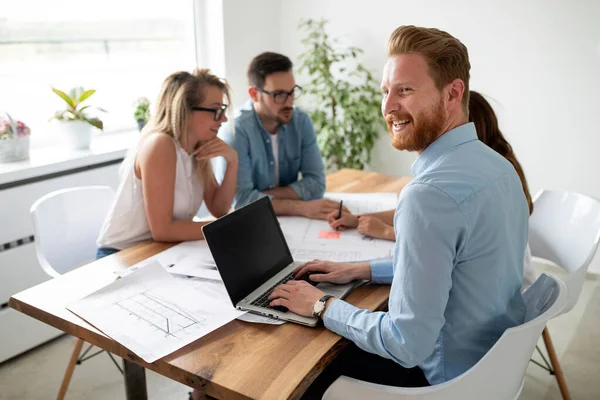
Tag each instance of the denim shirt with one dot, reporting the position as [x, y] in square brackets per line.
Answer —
[461, 230]
[298, 153]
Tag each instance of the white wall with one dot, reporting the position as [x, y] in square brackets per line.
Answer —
[250, 28]
[539, 61]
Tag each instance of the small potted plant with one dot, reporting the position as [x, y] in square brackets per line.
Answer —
[141, 113]
[14, 140]
[75, 120]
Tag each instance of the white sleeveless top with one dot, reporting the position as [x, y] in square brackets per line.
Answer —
[127, 223]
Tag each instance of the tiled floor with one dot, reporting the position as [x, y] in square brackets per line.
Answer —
[37, 374]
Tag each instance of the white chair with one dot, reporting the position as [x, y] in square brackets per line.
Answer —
[66, 224]
[565, 230]
[498, 375]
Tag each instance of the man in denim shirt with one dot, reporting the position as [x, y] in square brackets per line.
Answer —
[275, 142]
[461, 230]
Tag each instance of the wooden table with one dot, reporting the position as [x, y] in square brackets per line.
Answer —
[239, 360]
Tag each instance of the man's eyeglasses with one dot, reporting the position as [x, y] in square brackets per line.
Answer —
[281, 96]
[217, 111]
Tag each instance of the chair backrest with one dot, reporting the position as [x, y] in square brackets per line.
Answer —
[565, 229]
[498, 375]
[66, 225]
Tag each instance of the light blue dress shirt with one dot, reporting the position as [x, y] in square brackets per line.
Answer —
[298, 153]
[461, 230]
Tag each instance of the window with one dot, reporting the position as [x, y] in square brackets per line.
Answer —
[123, 49]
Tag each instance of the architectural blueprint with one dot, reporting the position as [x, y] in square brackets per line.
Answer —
[153, 314]
[308, 239]
[216, 289]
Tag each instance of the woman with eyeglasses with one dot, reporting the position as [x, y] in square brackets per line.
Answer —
[167, 175]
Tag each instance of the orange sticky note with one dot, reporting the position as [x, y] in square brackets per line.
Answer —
[329, 235]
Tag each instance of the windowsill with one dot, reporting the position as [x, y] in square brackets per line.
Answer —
[47, 160]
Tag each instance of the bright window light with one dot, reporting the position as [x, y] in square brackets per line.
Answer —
[123, 49]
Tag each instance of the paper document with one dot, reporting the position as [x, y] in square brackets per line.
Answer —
[310, 239]
[365, 203]
[189, 266]
[191, 258]
[330, 253]
[212, 288]
[217, 290]
[152, 313]
[196, 250]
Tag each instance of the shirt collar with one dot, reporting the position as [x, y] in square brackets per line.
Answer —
[454, 137]
[256, 117]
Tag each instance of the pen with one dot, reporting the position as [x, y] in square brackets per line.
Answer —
[340, 210]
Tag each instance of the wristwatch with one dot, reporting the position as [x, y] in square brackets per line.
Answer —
[319, 306]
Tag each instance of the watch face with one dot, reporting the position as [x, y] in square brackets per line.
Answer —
[318, 307]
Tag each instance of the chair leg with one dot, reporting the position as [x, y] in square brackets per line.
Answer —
[560, 379]
[70, 367]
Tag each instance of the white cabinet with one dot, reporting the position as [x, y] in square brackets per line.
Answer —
[19, 268]
[20, 333]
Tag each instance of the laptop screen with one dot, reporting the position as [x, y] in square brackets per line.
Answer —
[248, 247]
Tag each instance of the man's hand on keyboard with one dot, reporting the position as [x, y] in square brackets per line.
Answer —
[334, 272]
[298, 296]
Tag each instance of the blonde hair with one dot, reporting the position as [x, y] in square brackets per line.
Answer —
[446, 56]
[179, 93]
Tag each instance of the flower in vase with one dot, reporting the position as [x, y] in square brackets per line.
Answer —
[6, 129]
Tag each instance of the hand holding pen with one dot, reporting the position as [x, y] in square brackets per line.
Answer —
[319, 209]
[342, 219]
[340, 210]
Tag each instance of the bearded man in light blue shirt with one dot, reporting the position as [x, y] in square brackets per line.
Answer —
[461, 230]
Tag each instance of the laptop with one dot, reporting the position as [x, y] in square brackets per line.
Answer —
[253, 258]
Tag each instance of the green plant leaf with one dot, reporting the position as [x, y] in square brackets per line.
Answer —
[95, 122]
[343, 98]
[85, 95]
[71, 102]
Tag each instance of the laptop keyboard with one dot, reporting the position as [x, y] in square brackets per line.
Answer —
[263, 301]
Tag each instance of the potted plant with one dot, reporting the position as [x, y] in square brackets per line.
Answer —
[141, 114]
[345, 96]
[14, 140]
[75, 120]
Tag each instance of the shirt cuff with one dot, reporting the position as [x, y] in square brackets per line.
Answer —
[298, 187]
[337, 315]
[382, 270]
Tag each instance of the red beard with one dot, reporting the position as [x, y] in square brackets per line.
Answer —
[417, 137]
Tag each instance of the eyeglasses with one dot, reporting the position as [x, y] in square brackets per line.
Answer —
[217, 111]
[281, 96]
